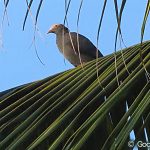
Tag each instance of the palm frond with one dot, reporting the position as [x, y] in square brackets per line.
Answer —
[71, 110]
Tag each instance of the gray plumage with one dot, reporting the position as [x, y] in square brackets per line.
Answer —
[68, 43]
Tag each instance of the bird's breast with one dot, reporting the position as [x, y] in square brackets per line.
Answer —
[70, 49]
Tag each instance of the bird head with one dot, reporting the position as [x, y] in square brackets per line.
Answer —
[58, 28]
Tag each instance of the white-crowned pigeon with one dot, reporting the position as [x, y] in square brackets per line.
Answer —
[76, 48]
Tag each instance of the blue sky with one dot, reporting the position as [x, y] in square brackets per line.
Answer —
[18, 61]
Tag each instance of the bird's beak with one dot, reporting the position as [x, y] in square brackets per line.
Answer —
[50, 31]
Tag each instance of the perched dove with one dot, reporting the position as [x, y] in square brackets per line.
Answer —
[75, 47]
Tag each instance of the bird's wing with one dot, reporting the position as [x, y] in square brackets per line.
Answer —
[86, 47]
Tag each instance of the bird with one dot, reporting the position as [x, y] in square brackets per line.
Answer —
[76, 48]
